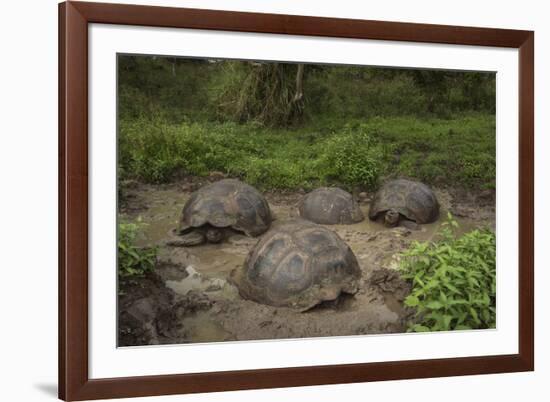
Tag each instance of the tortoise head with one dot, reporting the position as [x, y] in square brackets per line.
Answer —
[391, 218]
[214, 235]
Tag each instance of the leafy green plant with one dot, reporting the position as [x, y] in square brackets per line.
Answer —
[453, 280]
[133, 261]
[354, 156]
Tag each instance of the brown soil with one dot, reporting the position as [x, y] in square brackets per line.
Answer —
[189, 298]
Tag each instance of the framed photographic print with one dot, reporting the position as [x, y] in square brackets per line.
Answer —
[259, 200]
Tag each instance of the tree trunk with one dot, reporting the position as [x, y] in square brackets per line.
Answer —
[299, 94]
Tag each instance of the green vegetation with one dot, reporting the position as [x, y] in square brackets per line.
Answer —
[444, 152]
[133, 261]
[353, 156]
[260, 92]
[454, 280]
[182, 89]
[282, 126]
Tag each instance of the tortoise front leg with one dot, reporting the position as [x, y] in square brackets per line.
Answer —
[193, 238]
[411, 225]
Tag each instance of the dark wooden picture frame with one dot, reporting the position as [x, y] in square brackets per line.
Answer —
[74, 382]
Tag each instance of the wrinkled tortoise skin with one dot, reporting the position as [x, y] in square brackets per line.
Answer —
[228, 203]
[412, 199]
[330, 206]
[299, 265]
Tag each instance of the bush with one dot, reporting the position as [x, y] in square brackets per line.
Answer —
[453, 280]
[155, 150]
[353, 157]
[133, 261]
[174, 87]
[257, 92]
[199, 89]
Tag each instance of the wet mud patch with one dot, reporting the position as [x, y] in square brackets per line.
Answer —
[189, 298]
[145, 311]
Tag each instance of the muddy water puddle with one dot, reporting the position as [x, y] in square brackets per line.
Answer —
[204, 270]
[162, 217]
[161, 214]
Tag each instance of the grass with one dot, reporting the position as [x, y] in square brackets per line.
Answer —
[459, 151]
[355, 154]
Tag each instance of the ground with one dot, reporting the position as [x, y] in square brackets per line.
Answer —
[188, 297]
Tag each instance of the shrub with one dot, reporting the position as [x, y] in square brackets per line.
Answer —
[273, 173]
[155, 150]
[453, 280]
[133, 261]
[353, 156]
[259, 92]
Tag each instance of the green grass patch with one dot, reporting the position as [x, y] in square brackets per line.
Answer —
[454, 281]
[353, 154]
[459, 151]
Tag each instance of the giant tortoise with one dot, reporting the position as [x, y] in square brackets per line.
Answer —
[330, 206]
[404, 202]
[217, 208]
[299, 265]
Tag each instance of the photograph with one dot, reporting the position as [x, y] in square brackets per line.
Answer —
[264, 200]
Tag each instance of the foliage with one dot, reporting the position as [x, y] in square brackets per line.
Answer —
[261, 92]
[366, 92]
[156, 151]
[354, 125]
[169, 87]
[353, 156]
[133, 261]
[197, 89]
[454, 280]
[444, 152]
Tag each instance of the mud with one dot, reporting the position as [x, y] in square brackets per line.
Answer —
[189, 298]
